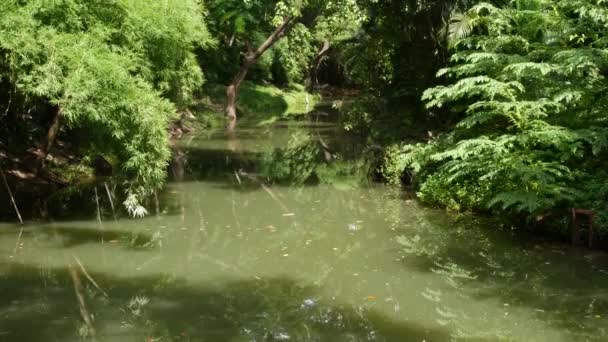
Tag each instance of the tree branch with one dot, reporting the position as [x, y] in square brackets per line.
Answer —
[249, 47]
[276, 35]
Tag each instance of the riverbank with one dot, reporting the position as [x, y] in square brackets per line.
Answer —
[258, 104]
[68, 171]
[28, 185]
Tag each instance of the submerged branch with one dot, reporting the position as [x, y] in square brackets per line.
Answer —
[84, 313]
[88, 276]
[268, 191]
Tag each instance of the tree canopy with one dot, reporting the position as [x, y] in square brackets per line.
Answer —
[122, 69]
[525, 86]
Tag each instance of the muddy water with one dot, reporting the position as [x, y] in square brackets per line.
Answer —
[273, 235]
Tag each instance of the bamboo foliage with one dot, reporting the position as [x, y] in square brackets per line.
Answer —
[120, 69]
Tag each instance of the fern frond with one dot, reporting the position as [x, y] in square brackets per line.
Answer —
[460, 26]
[528, 69]
[477, 86]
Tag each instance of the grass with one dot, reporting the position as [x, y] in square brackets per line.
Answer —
[258, 104]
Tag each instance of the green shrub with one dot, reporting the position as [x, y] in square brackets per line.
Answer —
[527, 84]
[119, 69]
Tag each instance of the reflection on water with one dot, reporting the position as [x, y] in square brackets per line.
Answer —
[232, 257]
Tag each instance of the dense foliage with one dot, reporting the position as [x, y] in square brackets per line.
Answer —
[505, 95]
[394, 58]
[525, 88]
[118, 69]
[239, 23]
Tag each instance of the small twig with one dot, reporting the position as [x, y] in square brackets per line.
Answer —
[100, 223]
[110, 199]
[274, 197]
[18, 241]
[10, 193]
[86, 274]
[268, 191]
[98, 208]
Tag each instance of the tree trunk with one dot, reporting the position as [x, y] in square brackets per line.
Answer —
[312, 80]
[51, 136]
[252, 56]
[233, 90]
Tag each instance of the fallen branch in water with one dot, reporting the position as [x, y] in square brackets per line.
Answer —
[268, 191]
[84, 313]
[275, 197]
[88, 276]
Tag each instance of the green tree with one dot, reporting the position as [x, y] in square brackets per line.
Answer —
[119, 70]
[394, 58]
[335, 23]
[526, 85]
[239, 21]
[255, 27]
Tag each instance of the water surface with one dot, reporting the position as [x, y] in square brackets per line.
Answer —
[318, 256]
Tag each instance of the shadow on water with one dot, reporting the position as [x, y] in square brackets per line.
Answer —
[42, 307]
[211, 164]
[564, 286]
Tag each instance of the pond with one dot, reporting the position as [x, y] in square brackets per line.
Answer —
[273, 234]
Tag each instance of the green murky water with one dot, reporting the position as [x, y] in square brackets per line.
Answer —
[231, 258]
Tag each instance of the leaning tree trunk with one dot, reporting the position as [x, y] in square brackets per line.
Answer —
[51, 136]
[252, 56]
[233, 90]
[313, 81]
